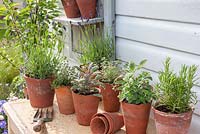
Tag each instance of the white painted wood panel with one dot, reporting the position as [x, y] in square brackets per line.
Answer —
[176, 10]
[178, 36]
[127, 50]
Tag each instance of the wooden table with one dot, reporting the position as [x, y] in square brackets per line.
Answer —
[20, 115]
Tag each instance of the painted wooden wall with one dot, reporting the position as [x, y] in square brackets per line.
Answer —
[155, 29]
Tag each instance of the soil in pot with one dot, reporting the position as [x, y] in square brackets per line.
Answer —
[167, 123]
[65, 100]
[87, 8]
[85, 107]
[39, 91]
[71, 8]
[136, 117]
[110, 98]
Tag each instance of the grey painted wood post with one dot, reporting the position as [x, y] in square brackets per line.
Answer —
[109, 18]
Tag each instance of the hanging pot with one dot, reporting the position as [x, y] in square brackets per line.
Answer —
[87, 8]
[110, 98]
[172, 123]
[65, 100]
[39, 91]
[136, 117]
[85, 107]
[71, 8]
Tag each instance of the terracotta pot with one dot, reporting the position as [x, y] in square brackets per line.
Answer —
[65, 100]
[87, 8]
[136, 117]
[99, 125]
[172, 123]
[110, 98]
[85, 107]
[40, 93]
[115, 121]
[71, 8]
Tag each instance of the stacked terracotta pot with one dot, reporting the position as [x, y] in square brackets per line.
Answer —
[106, 123]
[80, 8]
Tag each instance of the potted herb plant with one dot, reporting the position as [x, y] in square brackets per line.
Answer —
[62, 85]
[95, 46]
[174, 99]
[86, 95]
[87, 8]
[110, 70]
[39, 74]
[136, 96]
[71, 8]
[32, 28]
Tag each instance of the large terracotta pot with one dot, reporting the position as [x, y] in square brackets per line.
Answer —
[110, 98]
[87, 8]
[71, 8]
[167, 123]
[65, 100]
[39, 91]
[136, 117]
[85, 107]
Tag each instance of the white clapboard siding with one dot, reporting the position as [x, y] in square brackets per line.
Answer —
[179, 36]
[173, 10]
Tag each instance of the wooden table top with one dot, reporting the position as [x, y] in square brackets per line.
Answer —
[20, 114]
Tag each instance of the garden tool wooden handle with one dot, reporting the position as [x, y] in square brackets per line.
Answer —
[39, 126]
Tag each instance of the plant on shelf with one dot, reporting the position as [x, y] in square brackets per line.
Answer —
[95, 46]
[85, 94]
[136, 95]
[110, 70]
[63, 81]
[174, 99]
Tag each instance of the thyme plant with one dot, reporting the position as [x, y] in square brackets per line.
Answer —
[174, 91]
[65, 75]
[134, 85]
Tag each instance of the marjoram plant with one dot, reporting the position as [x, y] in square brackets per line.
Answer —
[174, 91]
[135, 86]
[110, 70]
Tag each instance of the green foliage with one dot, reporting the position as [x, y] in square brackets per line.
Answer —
[110, 70]
[64, 75]
[42, 63]
[17, 86]
[95, 46]
[135, 87]
[174, 94]
[10, 61]
[31, 25]
[4, 91]
[87, 81]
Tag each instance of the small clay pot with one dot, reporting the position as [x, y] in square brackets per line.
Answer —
[71, 8]
[40, 93]
[99, 125]
[65, 100]
[85, 107]
[87, 8]
[167, 123]
[136, 117]
[110, 98]
[115, 122]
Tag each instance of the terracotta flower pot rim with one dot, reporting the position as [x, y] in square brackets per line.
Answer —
[136, 105]
[171, 114]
